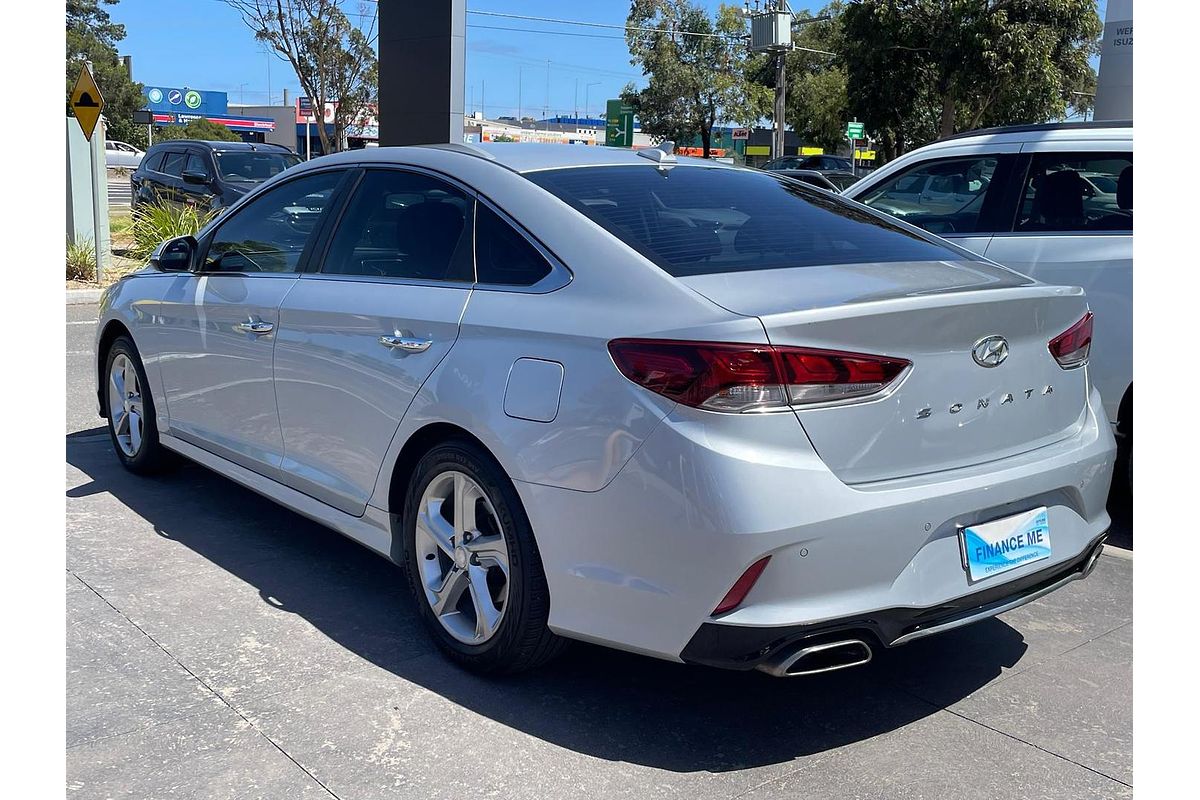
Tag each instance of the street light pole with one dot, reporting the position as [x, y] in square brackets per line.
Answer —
[586, 89]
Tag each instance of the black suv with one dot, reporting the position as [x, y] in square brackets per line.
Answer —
[206, 174]
[818, 163]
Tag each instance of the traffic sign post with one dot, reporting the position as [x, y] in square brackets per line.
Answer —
[618, 124]
[305, 107]
[87, 103]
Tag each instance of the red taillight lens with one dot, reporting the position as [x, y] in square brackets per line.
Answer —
[1071, 347]
[742, 586]
[717, 376]
[818, 376]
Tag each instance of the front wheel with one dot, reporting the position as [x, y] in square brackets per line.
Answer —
[472, 563]
[131, 423]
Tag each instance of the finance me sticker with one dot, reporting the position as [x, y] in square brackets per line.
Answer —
[992, 548]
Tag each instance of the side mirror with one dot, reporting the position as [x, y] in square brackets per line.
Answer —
[175, 255]
[191, 176]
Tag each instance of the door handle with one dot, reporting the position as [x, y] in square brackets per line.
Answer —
[257, 326]
[408, 344]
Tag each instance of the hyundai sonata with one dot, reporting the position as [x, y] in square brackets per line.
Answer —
[663, 404]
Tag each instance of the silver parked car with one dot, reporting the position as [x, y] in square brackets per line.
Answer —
[120, 154]
[680, 408]
[1051, 201]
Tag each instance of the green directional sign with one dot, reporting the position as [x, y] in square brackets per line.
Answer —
[855, 130]
[618, 129]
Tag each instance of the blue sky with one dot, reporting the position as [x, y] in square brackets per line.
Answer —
[203, 44]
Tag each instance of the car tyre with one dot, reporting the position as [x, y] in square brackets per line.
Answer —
[475, 553]
[132, 427]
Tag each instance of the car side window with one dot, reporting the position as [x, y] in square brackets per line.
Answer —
[404, 225]
[198, 163]
[940, 196]
[154, 162]
[270, 233]
[173, 163]
[502, 255]
[1068, 192]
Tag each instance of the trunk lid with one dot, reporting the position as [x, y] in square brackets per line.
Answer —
[948, 411]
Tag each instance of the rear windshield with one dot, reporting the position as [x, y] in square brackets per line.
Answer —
[253, 167]
[697, 220]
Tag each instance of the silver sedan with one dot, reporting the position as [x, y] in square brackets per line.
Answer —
[667, 405]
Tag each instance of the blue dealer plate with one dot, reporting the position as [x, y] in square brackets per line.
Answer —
[995, 547]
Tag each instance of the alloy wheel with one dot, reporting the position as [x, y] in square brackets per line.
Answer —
[462, 556]
[125, 409]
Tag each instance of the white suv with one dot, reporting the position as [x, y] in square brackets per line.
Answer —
[1052, 201]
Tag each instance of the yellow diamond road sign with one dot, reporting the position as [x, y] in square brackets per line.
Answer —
[86, 102]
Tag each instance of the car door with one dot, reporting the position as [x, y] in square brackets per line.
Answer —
[1059, 237]
[197, 195]
[168, 178]
[218, 324]
[958, 194]
[359, 335]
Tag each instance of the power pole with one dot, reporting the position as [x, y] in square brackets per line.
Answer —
[771, 32]
[780, 97]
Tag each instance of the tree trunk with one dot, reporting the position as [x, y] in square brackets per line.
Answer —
[947, 123]
[705, 138]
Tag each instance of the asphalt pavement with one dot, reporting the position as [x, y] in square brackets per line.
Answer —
[221, 646]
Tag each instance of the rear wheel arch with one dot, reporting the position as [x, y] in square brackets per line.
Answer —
[1125, 413]
[112, 330]
[419, 443]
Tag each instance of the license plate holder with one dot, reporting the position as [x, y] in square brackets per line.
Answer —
[992, 548]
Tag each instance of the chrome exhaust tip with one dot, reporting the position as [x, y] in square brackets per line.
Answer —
[818, 658]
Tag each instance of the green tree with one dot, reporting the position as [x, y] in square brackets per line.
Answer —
[93, 36]
[202, 129]
[697, 70]
[334, 60]
[923, 69]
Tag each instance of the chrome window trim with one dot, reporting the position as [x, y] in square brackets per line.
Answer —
[1019, 234]
[559, 276]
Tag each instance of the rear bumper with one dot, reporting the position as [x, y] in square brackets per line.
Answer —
[641, 563]
[732, 647]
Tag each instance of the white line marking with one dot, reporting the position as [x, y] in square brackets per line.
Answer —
[83, 322]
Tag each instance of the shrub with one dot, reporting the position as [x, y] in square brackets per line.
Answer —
[81, 260]
[154, 223]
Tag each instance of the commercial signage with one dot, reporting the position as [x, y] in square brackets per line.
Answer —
[304, 110]
[741, 133]
[812, 151]
[176, 100]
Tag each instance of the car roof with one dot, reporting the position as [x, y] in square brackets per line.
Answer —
[519, 156]
[225, 146]
[1082, 127]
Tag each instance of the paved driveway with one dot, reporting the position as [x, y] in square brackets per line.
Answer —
[220, 646]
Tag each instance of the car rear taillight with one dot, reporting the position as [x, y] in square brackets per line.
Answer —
[741, 587]
[1071, 347]
[719, 376]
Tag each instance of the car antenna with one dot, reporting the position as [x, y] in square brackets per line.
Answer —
[663, 154]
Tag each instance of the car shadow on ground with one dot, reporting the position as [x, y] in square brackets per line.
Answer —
[593, 700]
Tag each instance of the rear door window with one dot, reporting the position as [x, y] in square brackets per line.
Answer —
[1069, 192]
[404, 225]
[173, 163]
[696, 220]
